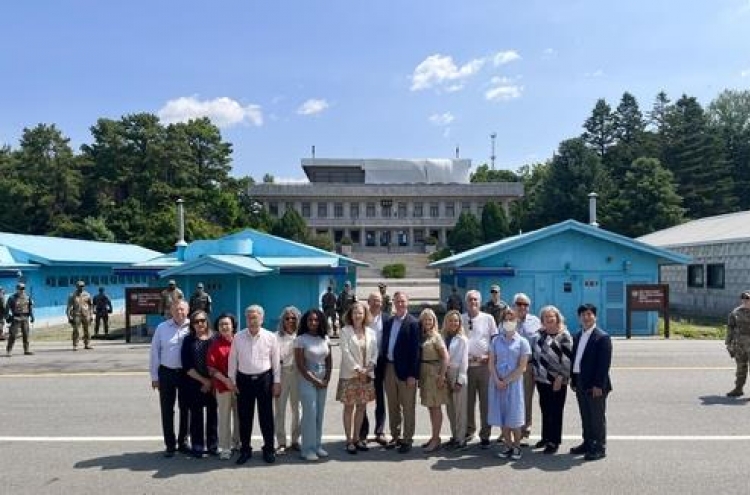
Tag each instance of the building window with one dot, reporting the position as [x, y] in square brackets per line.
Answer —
[338, 210]
[62, 281]
[322, 210]
[418, 236]
[50, 281]
[434, 210]
[306, 209]
[695, 276]
[450, 209]
[354, 210]
[385, 211]
[715, 276]
[273, 209]
[94, 279]
[465, 207]
[370, 210]
[402, 210]
[418, 213]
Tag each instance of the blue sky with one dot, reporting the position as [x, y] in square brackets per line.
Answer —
[362, 79]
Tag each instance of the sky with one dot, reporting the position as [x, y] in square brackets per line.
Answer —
[362, 79]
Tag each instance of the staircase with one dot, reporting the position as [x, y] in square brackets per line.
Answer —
[416, 264]
[421, 284]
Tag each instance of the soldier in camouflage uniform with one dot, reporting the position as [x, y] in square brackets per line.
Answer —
[495, 306]
[200, 300]
[387, 303]
[738, 342]
[19, 313]
[169, 296]
[328, 305]
[80, 312]
[347, 297]
[2, 313]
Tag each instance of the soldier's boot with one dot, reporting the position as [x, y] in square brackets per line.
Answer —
[735, 392]
[26, 351]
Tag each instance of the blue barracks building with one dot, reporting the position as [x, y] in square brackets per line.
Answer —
[50, 267]
[565, 264]
[249, 267]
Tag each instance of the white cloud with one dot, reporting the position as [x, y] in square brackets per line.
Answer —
[440, 70]
[312, 107]
[503, 89]
[549, 53]
[745, 73]
[502, 58]
[223, 112]
[596, 73]
[441, 119]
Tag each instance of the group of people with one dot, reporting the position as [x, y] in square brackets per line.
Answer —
[496, 353]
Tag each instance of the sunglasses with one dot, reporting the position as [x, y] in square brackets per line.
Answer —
[290, 318]
[522, 304]
[200, 320]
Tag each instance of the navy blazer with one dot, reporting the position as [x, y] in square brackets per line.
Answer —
[595, 361]
[406, 353]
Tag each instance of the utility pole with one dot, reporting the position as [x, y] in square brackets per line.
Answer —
[492, 156]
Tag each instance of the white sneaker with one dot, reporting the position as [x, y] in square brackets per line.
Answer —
[310, 457]
[322, 452]
[225, 455]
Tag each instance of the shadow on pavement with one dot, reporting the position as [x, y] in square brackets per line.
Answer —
[721, 400]
[479, 459]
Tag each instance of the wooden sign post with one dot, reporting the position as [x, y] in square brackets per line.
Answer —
[647, 297]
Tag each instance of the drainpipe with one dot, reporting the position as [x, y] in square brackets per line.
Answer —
[592, 210]
[180, 244]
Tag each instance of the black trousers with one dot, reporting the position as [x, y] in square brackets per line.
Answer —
[593, 419]
[552, 405]
[204, 438]
[171, 383]
[252, 389]
[102, 318]
[379, 407]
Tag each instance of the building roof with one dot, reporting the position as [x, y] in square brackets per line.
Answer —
[710, 230]
[221, 264]
[397, 170]
[44, 250]
[515, 242]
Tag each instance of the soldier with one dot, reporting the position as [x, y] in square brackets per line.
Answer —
[345, 300]
[454, 302]
[19, 313]
[168, 297]
[80, 314]
[328, 304]
[738, 342]
[200, 300]
[2, 313]
[387, 304]
[102, 308]
[495, 306]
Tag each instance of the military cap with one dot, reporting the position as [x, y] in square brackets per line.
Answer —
[382, 285]
[171, 282]
[745, 295]
[494, 288]
[199, 286]
[80, 284]
[20, 285]
[347, 284]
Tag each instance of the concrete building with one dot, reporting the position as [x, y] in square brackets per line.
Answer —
[382, 203]
[710, 285]
[565, 264]
[50, 267]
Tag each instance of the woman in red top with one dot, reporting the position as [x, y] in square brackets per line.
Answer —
[226, 393]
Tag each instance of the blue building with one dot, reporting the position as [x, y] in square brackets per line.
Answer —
[251, 267]
[50, 267]
[565, 264]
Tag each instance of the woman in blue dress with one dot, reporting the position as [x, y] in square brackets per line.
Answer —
[509, 354]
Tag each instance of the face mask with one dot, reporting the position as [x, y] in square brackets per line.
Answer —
[509, 326]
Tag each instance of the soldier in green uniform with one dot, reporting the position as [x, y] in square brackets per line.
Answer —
[347, 297]
[2, 313]
[387, 304]
[738, 342]
[19, 313]
[495, 306]
[80, 312]
[169, 296]
[200, 300]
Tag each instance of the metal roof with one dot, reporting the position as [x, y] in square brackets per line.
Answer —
[509, 243]
[24, 248]
[710, 230]
[219, 264]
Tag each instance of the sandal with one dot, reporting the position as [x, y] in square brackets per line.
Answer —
[351, 448]
[362, 446]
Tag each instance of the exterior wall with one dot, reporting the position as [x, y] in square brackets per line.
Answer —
[567, 270]
[705, 301]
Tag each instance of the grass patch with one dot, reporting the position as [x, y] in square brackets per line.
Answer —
[694, 328]
[43, 332]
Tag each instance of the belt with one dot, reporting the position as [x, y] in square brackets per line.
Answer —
[255, 376]
[432, 361]
[161, 366]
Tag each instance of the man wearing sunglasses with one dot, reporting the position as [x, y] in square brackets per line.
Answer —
[528, 328]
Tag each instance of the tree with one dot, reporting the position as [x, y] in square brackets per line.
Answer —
[646, 200]
[466, 234]
[485, 174]
[494, 222]
[729, 117]
[291, 226]
[599, 132]
[268, 179]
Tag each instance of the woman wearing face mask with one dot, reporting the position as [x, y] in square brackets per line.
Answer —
[551, 354]
[509, 354]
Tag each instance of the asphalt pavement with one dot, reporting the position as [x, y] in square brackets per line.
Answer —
[88, 422]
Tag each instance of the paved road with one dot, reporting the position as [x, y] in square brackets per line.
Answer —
[87, 422]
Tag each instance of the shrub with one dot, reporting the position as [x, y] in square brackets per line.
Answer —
[395, 270]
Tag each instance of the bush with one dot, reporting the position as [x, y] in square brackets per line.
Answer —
[346, 241]
[431, 241]
[395, 270]
[440, 254]
[321, 241]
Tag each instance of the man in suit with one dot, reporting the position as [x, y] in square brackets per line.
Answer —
[592, 351]
[399, 357]
[379, 317]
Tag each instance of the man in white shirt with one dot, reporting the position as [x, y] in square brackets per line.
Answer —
[479, 328]
[255, 369]
[528, 328]
[165, 365]
[375, 304]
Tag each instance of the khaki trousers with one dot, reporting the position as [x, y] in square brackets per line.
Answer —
[478, 383]
[402, 401]
[229, 421]
[456, 407]
[289, 395]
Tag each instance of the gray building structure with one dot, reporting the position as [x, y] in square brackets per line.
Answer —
[384, 203]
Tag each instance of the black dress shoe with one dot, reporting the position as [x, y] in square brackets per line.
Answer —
[393, 444]
[541, 443]
[269, 456]
[551, 448]
[243, 458]
[169, 453]
[595, 455]
[404, 448]
[579, 449]
[184, 449]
